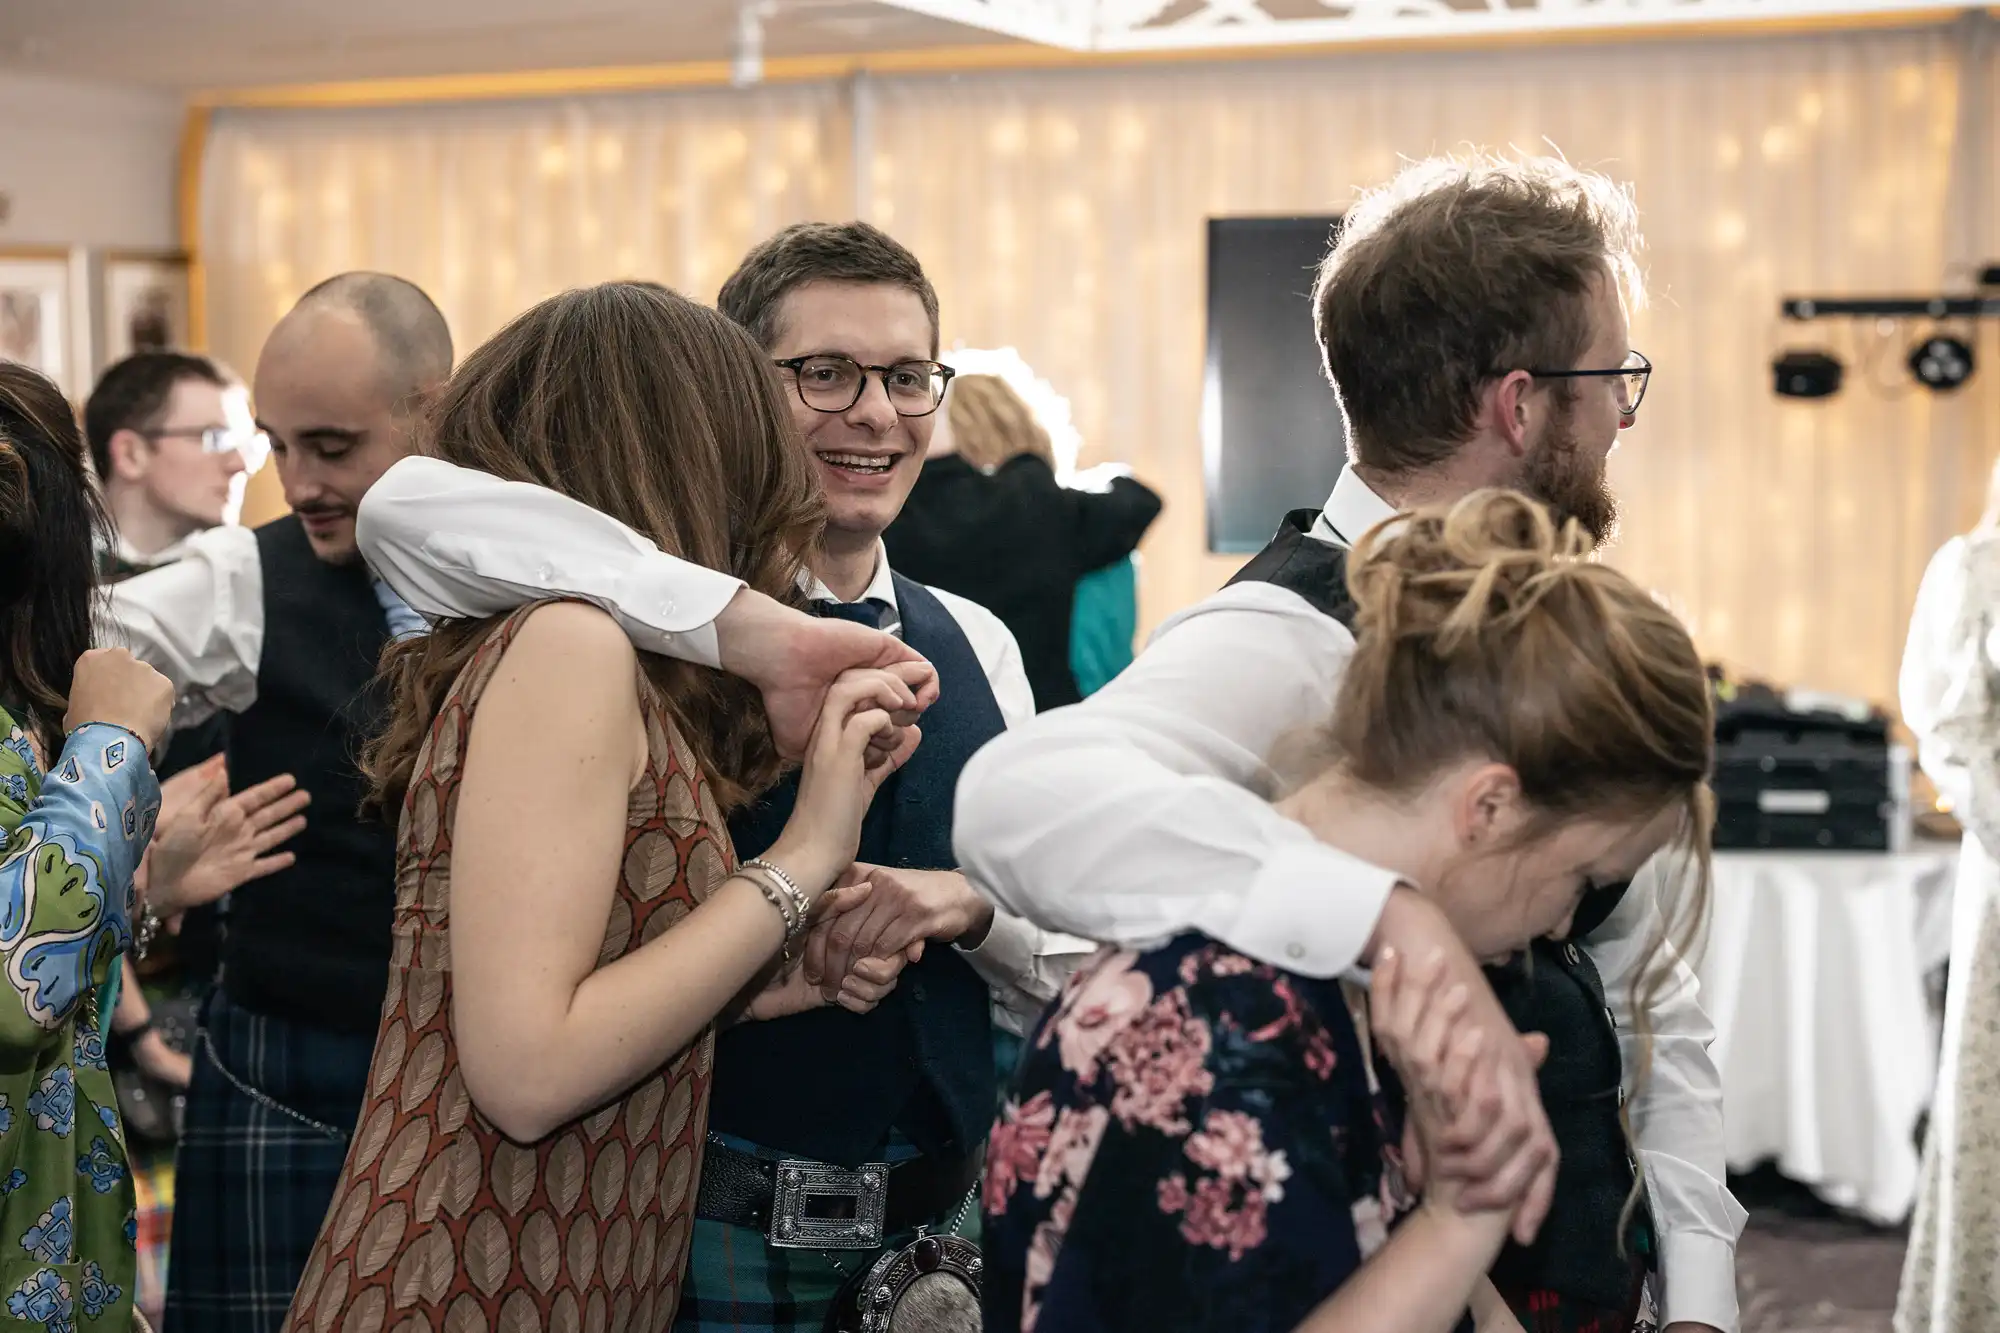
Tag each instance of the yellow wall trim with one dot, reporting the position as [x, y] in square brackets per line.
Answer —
[194, 138]
[999, 56]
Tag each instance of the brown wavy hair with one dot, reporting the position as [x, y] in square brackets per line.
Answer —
[51, 524]
[1483, 628]
[991, 424]
[1458, 271]
[666, 416]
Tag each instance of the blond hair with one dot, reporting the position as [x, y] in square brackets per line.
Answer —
[991, 424]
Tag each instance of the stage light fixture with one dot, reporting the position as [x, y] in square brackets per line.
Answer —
[1802, 374]
[1941, 362]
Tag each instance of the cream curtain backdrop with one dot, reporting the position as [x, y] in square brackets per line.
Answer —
[1063, 213]
[491, 208]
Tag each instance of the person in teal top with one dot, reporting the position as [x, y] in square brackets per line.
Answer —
[1104, 624]
[75, 832]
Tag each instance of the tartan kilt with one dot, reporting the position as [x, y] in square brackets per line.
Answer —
[1542, 1311]
[252, 1183]
[737, 1282]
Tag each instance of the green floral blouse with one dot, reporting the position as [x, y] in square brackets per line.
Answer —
[73, 839]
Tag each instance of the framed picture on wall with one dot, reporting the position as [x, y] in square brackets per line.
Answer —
[35, 313]
[145, 304]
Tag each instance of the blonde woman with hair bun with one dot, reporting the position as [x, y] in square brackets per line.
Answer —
[988, 520]
[1197, 1140]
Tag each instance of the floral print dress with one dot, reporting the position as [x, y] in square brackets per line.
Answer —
[1195, 1141]
[73, 841]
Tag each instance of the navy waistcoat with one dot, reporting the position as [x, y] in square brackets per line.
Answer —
[828, 1084]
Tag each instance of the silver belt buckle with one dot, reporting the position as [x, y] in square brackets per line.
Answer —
[851, 1206]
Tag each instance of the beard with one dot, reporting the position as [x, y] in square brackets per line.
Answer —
[1572, 483]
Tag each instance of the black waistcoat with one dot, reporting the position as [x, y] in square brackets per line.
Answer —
[1554, 988]
[311, 943]
[828, 1085]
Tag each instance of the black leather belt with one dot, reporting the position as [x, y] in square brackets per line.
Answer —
[811, 1205]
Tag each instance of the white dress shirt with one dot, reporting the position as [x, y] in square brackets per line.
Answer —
[1145, 811]
[456, 542]
[198, 621]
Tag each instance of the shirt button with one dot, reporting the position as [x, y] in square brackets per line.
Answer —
[666, 608]
[1569, 954]
[1295, 951]
[917, 991]
[544, 573]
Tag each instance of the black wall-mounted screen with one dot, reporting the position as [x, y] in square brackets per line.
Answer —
[1272, 438]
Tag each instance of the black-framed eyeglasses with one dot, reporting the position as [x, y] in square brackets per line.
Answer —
[253, 445]
[1629, 384]
[834, 383]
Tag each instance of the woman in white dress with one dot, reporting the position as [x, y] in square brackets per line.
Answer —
[1950, 691]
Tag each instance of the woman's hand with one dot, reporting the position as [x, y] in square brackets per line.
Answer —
[855, 746]
[110, 685]
[217, 842]
[154, 1057]
[867, 982]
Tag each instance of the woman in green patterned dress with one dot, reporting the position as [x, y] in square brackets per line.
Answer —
[74, 831]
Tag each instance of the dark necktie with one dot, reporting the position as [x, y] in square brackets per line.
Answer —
[870, 613]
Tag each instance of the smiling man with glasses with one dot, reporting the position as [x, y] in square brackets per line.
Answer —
[832, 1136]
[171, 439]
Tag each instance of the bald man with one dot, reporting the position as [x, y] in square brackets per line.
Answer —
[281, 628]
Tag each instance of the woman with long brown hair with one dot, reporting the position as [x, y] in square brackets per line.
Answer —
[571, 923]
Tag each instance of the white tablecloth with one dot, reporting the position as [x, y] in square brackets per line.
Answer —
[1814, 976]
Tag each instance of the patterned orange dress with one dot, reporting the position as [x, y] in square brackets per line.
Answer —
[440, 1222]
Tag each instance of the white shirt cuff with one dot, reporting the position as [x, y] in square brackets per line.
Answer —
[1006, 955]
[1311, 909]
[1697, 1280]
[681, 600]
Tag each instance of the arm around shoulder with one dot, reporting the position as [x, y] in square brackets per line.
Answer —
[448, 540]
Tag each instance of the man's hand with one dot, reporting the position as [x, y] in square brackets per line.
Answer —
[183, 787]
[905, 909]
[1499, 1143]
[217, 842]
[792, 658]
[857, 991]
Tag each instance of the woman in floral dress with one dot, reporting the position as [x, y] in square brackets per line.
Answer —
[74, 835]
[1198, 1140]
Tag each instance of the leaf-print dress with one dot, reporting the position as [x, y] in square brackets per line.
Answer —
[1195, 1141]
[440, 1221]
[73, 840]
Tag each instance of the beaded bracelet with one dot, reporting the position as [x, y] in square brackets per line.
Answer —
[785, 881]
[774, 894]
[144, 933]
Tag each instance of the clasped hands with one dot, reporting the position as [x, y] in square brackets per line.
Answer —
[871, 925]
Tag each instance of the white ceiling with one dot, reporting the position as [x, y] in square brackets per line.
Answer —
[183, 45]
